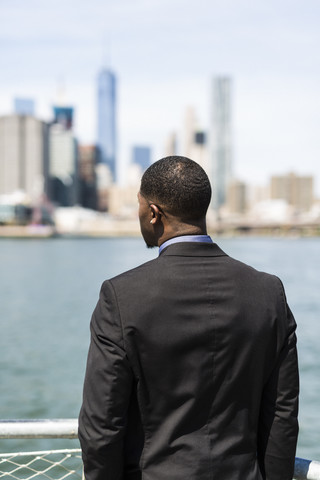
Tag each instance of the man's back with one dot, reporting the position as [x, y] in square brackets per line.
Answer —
[207, 345]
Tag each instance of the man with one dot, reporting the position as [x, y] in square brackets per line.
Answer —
[192, 368]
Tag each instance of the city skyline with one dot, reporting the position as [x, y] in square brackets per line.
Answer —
[165, 55]
[221, 124]
[66, 174]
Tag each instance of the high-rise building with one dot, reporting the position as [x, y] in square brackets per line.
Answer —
[63, 157]
[24, 106]
[220, 140]
[106, 141]
[171, 145]
[140, 161]
[64, 116]
[296, 190]
[195, 142]
[141, 156]
[190, 125]
[87, 176]
[23, 155]
[199, 150]
[237, 197]
[104, 184]
[62, 166]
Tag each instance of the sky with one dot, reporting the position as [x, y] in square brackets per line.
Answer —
[165, 54]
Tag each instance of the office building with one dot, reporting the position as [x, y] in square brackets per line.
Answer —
[220, 140]
[64, 116]
[62, 166]
[87, 176]
[237, 197]
[23, 156]
[63, 158]
[170, 148]
[296, 190]
[140, 161]
[199, 149]
[141, 156]
[123, 201]
[190, 125]
[195, 141]
[104, 184]
[24, 106]
[106, 140]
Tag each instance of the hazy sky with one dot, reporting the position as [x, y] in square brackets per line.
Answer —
[165, 53]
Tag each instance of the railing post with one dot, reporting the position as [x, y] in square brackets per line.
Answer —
[306, 469]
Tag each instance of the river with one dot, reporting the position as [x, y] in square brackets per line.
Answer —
[49, 287]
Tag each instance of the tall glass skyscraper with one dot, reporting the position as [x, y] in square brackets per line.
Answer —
[107, 120]
[141, 156]
[220, 156]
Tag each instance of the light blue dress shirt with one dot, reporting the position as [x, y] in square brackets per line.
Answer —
[186, 238]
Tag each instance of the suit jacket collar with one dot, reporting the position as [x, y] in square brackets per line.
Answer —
[193, 249]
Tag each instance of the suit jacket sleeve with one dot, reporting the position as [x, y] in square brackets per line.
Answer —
[106, 394]
[278, 428]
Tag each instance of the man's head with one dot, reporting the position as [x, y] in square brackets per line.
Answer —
[174, 196]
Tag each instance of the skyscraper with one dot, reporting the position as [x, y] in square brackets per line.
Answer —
[87, 176]
[296, 190]
[24, 106]
[171, 145]
[24, 155]
[64, 116]
[63, 158]
[141, 156]
[106, 141]
[220, 138]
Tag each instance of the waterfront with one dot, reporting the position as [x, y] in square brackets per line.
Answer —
[49, 288]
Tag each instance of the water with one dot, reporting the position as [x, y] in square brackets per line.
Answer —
[48, 289]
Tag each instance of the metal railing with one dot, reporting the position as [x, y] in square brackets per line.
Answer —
[62, 428]
[61, 464]
[49, 464]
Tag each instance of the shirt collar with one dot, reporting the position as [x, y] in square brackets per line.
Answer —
[186, 238]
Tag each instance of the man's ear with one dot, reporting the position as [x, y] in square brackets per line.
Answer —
[155, 214]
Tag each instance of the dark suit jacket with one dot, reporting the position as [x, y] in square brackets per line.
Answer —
[192, 373]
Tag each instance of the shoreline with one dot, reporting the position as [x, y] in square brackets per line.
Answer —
[121, 228]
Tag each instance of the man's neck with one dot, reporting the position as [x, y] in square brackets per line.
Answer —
[182, 229]
[185, 238]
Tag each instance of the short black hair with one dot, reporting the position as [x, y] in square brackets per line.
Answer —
[178, 184]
